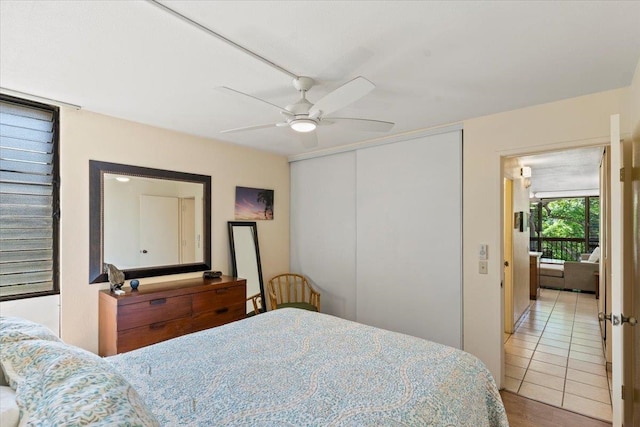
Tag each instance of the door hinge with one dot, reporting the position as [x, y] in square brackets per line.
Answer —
[621, 174]
[622, 390]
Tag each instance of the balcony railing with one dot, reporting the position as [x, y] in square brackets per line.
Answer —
[568, 249]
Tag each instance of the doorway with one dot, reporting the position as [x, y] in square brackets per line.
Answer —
[555, 354]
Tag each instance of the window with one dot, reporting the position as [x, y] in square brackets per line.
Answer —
[565, 228]
[29, 201]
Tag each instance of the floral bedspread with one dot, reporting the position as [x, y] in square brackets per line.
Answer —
[292, 367]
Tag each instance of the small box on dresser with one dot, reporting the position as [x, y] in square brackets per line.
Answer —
[161, 311]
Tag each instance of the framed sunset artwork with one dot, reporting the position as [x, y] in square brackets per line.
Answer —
[254, 204]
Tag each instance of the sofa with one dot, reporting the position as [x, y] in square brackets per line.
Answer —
[571, 275]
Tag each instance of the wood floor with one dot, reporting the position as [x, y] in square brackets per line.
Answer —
[523, 412]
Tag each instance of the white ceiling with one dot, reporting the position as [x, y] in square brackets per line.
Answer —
[564, 173]
[433, 62]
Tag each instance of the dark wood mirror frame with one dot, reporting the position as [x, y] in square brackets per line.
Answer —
[96, 172]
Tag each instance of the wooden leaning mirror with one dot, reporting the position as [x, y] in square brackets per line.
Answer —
[245, 260]
[147, 222]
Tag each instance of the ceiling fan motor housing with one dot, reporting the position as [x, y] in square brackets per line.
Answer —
[303, 83]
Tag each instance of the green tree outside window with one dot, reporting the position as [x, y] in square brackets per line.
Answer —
[565, 219]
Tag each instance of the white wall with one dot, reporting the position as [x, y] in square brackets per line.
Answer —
[44, 310]
[563, 124]
[634, 103]
[85, 135]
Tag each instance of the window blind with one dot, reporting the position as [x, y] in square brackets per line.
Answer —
[28, 199]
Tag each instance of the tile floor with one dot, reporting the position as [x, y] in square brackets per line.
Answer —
[556, 355]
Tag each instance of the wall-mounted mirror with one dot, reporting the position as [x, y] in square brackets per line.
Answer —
[148, 222]
[245, 259]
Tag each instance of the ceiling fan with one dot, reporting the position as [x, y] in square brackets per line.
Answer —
[304, 117]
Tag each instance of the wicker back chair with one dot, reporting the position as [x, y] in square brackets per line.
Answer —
[292, 290]
[256, 300]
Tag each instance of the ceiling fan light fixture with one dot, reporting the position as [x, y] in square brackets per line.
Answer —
[303, 125]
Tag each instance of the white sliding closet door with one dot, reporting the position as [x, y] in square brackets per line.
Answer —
[323, 229]
[379, 231]
[409, 234]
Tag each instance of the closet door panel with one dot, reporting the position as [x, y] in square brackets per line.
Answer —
[409, 234]
[323, 245]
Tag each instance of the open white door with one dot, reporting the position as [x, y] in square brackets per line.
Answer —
[633, 414]
[509, 321]
[617, 355]
[621, 320]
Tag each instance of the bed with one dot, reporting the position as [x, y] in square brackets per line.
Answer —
[286, 367]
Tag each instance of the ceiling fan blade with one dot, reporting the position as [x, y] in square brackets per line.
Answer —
[242, 129]
[362, 124]
[341, 97]
[246, 95]
[308, 139]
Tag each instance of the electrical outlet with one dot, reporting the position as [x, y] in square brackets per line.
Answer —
[483, 268]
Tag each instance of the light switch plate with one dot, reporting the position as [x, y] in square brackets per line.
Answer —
[483, 253]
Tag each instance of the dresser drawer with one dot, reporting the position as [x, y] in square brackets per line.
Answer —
[220, 316]
[219, 298]
[150, 334]
[153, 311]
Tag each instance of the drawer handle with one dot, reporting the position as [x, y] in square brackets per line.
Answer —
[222, 291]
[158, 301]
[222, 310]
[158, 325]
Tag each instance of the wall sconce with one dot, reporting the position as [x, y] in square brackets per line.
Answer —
[525, 172]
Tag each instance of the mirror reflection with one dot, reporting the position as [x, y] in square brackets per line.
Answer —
[148, 222]
[151, 222]
[245, 259]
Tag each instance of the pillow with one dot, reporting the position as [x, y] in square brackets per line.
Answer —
[16, 329]
[58, 384]
[9, 412]
[23, 358]
[595, 255]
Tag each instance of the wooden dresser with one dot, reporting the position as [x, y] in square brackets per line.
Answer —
[161, 311]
